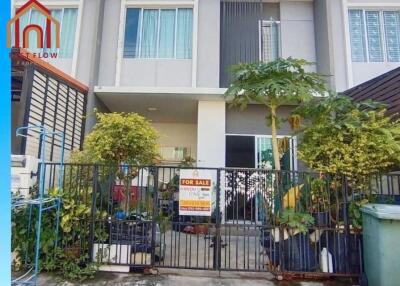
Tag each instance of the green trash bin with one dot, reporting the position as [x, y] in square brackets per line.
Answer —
[381, 244]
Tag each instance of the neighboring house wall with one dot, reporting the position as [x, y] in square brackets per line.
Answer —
[68, 64]
[345, 71]
[385, 88]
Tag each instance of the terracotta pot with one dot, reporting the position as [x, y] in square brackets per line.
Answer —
[201, 229]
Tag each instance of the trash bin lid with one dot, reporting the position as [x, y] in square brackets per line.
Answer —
[382, 211]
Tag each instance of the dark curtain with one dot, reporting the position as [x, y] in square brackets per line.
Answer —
[239, 35]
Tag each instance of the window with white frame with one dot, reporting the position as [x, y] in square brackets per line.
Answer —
[270, 40]
[158, 33]
[68, 23]
[374, 35]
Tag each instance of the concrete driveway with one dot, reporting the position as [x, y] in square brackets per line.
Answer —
[187, 278]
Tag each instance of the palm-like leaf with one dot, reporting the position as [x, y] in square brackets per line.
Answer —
[283, 81]
[276, 83]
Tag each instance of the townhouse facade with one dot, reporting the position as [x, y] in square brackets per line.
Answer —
[169, 61]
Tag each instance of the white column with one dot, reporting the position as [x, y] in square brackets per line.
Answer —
[211, 134]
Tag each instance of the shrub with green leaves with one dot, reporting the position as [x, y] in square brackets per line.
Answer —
[355, 140]
[349, 138]
[119, 138]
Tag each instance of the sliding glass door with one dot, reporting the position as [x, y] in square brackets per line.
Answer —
[264, 155]
[244, 201]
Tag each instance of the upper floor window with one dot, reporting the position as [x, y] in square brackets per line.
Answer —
[270, 40]
[374, 35]
[68, 21]
[158, 33]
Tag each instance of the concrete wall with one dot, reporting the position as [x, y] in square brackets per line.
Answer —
[109, 43]
[162, 72]
[297, 30]
[322, 30]
[208, 50]
[211, 134]
[178, 135]
[331, 43]
[252, 120]
[156, 72]
[88, 40]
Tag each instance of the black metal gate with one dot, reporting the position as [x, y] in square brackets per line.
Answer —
[260, 219]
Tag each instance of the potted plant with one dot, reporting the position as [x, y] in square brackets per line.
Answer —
[298, 253]
[202, 226]
[319, 192]
[353, 141]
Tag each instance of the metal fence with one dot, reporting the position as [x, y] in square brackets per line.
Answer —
[284, 222]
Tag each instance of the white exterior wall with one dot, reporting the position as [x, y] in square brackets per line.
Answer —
[156, 73]
[211, 134]
[178, 135]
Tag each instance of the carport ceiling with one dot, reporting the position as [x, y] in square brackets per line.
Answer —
[156, 107]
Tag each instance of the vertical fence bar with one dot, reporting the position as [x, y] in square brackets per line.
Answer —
[154, 216]
[93, 211]
[217, 238]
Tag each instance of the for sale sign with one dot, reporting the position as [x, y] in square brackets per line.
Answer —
[195, 192]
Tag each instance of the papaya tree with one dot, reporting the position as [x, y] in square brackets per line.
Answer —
[274, 84]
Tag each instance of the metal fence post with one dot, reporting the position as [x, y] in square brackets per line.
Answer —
[93, 211]
[154, 217]
[217, 238]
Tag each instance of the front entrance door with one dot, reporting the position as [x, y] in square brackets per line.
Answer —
[240, 153]
[251, 152]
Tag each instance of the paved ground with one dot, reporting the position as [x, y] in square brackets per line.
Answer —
[187, 278]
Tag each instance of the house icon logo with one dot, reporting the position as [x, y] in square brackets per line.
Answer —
[43, 38]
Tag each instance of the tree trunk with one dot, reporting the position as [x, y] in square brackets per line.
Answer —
[275, 149]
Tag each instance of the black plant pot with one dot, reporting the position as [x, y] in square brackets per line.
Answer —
[299, 254]
[346, 252]
[271, 248]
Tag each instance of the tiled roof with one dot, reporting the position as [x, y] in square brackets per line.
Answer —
[384, 88]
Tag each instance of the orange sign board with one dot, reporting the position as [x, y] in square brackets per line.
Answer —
[196, 191]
